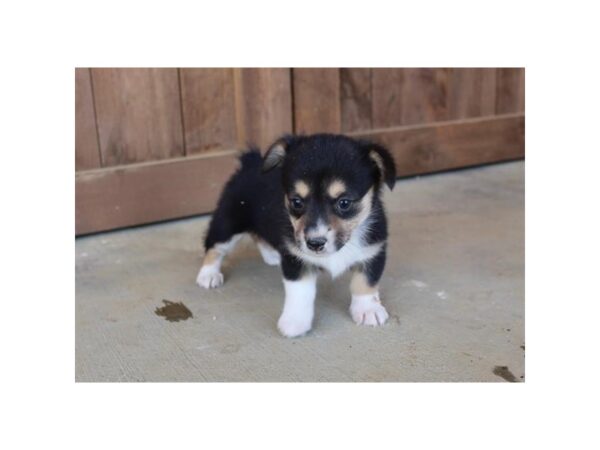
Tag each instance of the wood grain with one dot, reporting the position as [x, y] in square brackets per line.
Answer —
[471, 93]
[263, 105]
[488, 91]
[87, 153]
[409, 96]
[208, 107]
[355, 85]
[510, 90]
[435, 147]
[316, 100]
[142, 193]
[521, 104]
[138, 114]
[387, 86]
[424, 96]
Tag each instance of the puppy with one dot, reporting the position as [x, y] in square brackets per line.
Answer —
[313, 203]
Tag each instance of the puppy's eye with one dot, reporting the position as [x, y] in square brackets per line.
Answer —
[344, 204]
[296, 203]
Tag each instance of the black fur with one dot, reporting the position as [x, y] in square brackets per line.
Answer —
[373, 268]
[254, 199]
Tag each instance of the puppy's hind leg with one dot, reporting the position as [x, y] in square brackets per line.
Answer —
[268, 253]
[223, 234]
[210, 275]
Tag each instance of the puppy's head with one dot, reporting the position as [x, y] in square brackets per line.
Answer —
[330, 182]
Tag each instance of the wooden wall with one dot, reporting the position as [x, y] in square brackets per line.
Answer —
[156, 144]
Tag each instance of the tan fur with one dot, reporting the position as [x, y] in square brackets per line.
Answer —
[210, 257]
[336, 188]
[343, 227]
[375, 157]
[360, 285]
[302, 189]
[297, 224]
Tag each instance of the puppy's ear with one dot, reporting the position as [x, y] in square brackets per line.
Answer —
[276, 153]
[384, 162]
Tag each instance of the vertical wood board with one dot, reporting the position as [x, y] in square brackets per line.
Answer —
[208, 107]
[138, 114]
[87, 153]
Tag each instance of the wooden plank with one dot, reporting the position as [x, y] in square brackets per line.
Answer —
[488, 91]
[387, 85]
[431, 148]
[471, 93]
[424, 96]
[521, 96]
[263, 105]
[147, 192]
[355, 85]
[208, 107]
[510, 90]
[138, 113]
[316, 100]
[409, 96]
[87, 153]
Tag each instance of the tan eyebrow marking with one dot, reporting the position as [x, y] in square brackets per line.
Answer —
[302, 189]
[336, 188]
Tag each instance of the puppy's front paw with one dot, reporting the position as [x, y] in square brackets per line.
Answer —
[368, 310]
[209, 277]
[291, 326]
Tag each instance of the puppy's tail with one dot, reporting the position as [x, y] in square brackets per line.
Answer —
[251, 159]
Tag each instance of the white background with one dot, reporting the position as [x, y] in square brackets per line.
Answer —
[42, 407]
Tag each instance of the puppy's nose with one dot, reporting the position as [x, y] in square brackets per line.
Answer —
[316, 244]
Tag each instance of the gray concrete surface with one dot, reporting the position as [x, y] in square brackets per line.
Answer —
[454, 287]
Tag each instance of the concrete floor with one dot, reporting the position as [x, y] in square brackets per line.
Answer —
[454, 288]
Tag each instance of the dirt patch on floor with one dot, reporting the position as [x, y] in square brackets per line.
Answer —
[504, 372]
[173, 312]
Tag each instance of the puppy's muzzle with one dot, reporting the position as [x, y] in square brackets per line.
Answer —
[316, 244]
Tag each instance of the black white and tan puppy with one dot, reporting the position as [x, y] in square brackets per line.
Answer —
[313, 203]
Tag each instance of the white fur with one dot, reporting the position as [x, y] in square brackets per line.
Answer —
[269, 254]
[352, 252]
[319, 231]
[227, 247]
[210, 275]
[368, 310]
[298, 310]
